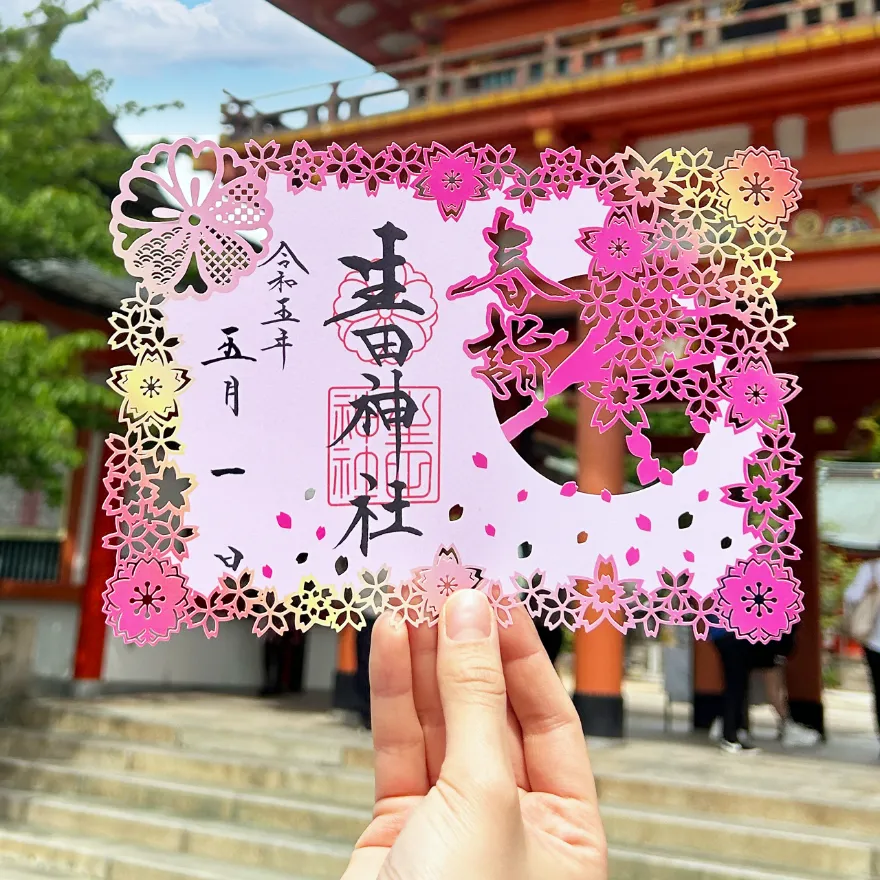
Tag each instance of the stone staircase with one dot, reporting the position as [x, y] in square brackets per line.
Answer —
[158, 790]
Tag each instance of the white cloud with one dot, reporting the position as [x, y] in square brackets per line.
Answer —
[144, 33]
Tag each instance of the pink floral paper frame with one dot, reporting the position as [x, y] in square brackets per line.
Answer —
[688, 251]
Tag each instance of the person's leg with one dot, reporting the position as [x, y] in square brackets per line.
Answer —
[873, 659]
[272, 651]
[777, 696]
[736, 675]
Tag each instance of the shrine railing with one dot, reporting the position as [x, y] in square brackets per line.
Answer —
[640, 39]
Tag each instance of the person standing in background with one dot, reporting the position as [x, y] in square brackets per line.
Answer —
[364, 641]
[865, 583]
[734, 654]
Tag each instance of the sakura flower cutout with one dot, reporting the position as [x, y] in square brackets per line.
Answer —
[209, 226]
[408, 326]
[756, 394]
[618, 248]
[606, 596]
[451, 179]
[304, 168]
[150, 388]
[758, 187]
[439, 581]
[759, 601]
[146, 601]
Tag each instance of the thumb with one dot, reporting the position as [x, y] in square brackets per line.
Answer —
[473, 695]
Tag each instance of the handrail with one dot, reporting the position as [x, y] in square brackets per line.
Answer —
[680, 29]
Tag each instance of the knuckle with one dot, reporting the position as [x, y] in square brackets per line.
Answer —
[482, 679]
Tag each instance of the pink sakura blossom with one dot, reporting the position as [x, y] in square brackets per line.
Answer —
[451, 179]
[417, 325]
[304, 168]
[562, 171]
[617, 401]
[758, 600]
[265, 159]
[606, 596]
[618, 248]
[146, 601]
[756, 393]
[436, 583]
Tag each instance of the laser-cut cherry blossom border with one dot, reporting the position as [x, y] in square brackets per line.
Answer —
[712, 236]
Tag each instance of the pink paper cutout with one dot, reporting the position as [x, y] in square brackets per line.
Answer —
[653, 274]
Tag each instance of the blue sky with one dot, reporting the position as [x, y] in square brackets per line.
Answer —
[157, 51]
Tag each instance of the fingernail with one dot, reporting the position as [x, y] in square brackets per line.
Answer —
[468, 616]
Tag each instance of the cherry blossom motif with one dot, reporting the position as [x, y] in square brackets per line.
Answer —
[530, 187]
[643, 183]
[149, 388]
[562, 171]
[403, 165]
[304, 168]
[758, 186]
[648, 610]
[759, 601]
[209, 225]
[619, 247]
[502, 602]
[417, 325]
[496, 166]
[438, 582]
[207, 612]
[564, 605]
[406, 604]
[146, 601]
[617, 402]
[265, 159]
[606, 596]
[451, 179]
[756, 394]
[698, 612]
[270, 614]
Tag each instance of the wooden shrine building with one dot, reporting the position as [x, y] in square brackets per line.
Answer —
[801, 77]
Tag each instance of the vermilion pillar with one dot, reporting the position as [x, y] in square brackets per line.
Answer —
[89, 659]
[599, 654]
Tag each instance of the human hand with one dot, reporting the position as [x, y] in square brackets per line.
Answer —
[481, 767]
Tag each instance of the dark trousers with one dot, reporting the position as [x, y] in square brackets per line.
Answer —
[735, 661]
[873, 659]
[362, 677]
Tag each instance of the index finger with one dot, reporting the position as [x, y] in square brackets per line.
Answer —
[398, 741]
[553, 742]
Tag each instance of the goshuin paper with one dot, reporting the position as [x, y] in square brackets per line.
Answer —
[317, 337]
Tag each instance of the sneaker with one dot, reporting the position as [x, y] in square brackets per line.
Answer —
[736, 748]
[798, 736]
[715, 730]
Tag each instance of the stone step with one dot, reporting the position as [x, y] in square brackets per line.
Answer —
[626, 864]
[792, 849]
[727, 802]
[253, 809]
[157, 833]
[332, 747]
[228, 770]
[23, 872]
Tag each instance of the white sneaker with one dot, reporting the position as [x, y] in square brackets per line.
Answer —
[715, 730]
[798, 736]
[739, 748]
